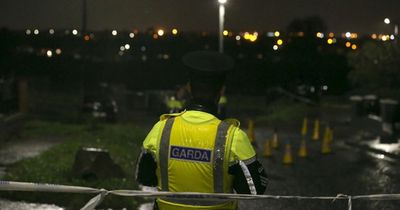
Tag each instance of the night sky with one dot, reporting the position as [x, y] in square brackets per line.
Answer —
[364, 16]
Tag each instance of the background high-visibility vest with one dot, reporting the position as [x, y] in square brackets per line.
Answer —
[193, 151]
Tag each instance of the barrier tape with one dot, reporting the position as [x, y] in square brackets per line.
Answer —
[102, 193]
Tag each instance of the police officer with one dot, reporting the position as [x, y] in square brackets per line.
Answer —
[194, 151]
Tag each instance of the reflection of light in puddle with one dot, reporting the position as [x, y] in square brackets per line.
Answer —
[385, 147]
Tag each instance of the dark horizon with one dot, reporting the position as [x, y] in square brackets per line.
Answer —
[252, 15]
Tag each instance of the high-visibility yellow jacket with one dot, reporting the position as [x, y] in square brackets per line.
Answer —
[193, 151]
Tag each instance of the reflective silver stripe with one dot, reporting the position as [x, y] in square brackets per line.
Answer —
[194, 202]
[249, 179]
[250, 160]
[163, 153]
[219, 151]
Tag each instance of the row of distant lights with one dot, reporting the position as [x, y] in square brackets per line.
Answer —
[247, 36]
[51, 31]
[383, 37]
[160, 32]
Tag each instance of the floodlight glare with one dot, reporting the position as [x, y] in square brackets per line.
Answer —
[222, 1]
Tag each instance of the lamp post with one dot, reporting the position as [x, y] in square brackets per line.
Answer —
[221, 24]
[396, 27]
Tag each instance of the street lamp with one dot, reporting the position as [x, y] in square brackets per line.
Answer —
[396, 26]
[221, 24]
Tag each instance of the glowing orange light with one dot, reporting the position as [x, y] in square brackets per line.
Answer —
[354, 46]
[86, 37]
[348, 44]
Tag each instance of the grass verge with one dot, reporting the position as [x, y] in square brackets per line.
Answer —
[123, 141]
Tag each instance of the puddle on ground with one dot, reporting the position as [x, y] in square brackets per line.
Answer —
[11, 205]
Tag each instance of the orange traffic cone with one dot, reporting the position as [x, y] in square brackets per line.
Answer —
[267, 148]
[315, 136]
[326, 143]
[250, 133]
[275, 141]
[303, 149]
[250, 130]
[287, 156]
[304, 127]
[326, 134]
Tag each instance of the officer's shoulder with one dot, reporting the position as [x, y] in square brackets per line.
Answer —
[232, 121]
[167, 116]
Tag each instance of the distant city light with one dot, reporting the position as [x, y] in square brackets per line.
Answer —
[300, 34]
[28, 32]
[58, 51]
[86, 37]
[174, 31]
[237, 38]
[331, 35]
[354, 46]
[348, 35]
[75, 32]
[251, 37]
[127, 46]
[348, 44]
[155, 36]
[131, 35]
[385, 38]
[279, 42]
[160, 32]
[374, 36]
[277, 33]
[225, 33]
[329, 41]
[387, 20]
[275, 47]
[114, 32]
[51, 31]
[320, 35]
[325, 87]
[49, 53]
[36, 31]
[143, 48]
[122, 48]
[392, 37]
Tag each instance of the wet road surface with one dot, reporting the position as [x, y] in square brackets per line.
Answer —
[346, 171]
